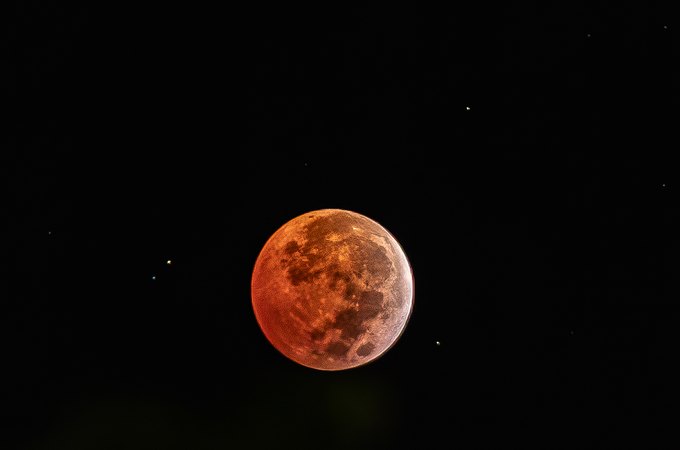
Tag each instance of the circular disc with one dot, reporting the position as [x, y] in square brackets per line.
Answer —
[332, 289]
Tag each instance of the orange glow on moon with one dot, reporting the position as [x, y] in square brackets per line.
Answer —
[332, 289]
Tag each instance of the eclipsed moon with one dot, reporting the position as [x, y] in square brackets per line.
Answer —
[332, 289]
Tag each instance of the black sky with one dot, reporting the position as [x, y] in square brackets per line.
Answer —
[521, 155]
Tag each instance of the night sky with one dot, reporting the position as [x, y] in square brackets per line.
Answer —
[521, 155]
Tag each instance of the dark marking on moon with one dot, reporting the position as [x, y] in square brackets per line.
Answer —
[317, 334]
[337, 348]
[365, 349]
[291, 247]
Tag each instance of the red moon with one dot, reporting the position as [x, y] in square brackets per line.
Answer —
[332, 289]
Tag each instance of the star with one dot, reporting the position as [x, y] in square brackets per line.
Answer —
[169, 262]
[663, 184]
[153, 277]
[467, 108]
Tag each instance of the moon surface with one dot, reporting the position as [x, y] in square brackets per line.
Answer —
[332, 289]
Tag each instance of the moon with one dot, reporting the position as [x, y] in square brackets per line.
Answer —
[332, 289]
